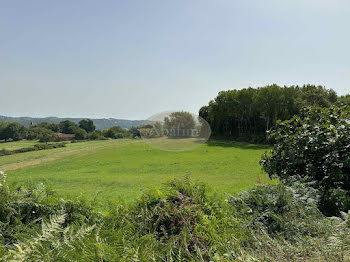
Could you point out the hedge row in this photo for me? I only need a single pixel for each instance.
(4, 152)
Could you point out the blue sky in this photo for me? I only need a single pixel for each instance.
(131, 59)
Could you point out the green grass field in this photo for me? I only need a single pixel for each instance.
(17, 144)
(120, 170)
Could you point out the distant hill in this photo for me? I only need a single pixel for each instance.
(100, 123)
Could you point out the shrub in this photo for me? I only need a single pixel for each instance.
(116, 132)
(135, 131)
(182, 221)
(314, 147)
(119, 135)
(80, 134)
(35, 224)
(290, 212)
(95, 135)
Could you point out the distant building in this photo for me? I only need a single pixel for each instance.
(64, 137)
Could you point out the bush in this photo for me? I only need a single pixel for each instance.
(314, 147)
(288, 211)
(135, 131)
(116, 132)
(118, 136)
(182, 221)
(95, 135)
(36, 225)
(80, 134)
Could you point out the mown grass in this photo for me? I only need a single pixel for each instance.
(120, 170)
(17, 161)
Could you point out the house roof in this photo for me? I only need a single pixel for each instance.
(61, 135)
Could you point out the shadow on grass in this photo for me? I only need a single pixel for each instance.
(241, 145)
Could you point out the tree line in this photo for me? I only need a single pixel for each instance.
(48, 132)
(248, 113)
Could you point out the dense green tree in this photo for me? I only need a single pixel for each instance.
(68, 127)
(345, 100)
(204, 113)
(179, 120)
(248, 113)
(47, 135)
(14, 131)
(3, 126)
(277, 103)
(34, 132)
(311, 95)
(80, 134)
(51, 126)
(87, 125)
